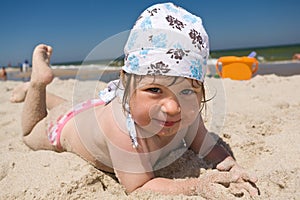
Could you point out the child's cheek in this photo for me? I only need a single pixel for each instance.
(140, 114)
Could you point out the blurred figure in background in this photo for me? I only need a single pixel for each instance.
(25, 66)
(3, 74)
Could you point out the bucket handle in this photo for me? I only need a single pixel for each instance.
(256, 67)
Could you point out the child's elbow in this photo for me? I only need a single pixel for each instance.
(132, 186)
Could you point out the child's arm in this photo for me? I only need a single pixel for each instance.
(205, 186)
(134, 171)
(205, 144)
(207, 147)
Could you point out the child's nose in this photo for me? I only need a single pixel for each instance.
(170, 106)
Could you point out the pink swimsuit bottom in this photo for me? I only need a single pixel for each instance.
(54, 130)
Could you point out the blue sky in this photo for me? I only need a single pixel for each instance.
(75, 27)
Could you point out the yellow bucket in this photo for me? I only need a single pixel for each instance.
(236, 68)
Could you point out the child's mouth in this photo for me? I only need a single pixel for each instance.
(167, 123)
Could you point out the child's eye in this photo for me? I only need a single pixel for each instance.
(187, 92)
(154, 90)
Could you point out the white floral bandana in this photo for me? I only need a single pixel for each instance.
(167, 40)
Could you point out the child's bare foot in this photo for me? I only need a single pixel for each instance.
(19, 93)
(41, 72)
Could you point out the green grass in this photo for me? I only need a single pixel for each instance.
(272, 53)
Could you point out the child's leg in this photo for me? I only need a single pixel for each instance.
(34, 110)
(52, 100)
(19, 94)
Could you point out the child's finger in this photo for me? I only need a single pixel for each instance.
(224, 178)
(244, 175)
(238, 188)
(226, 164)
(248, 177)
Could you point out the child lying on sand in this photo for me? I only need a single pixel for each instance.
(152, 110)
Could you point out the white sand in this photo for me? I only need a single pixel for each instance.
(261, 126)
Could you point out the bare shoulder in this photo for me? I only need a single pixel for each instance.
(111, 119)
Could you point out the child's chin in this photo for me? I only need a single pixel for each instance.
(166, 133)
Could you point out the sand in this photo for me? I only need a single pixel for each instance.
(261, 126)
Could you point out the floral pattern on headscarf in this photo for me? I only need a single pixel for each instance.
(167, 40)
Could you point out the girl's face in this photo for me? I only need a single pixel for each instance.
(159, 106)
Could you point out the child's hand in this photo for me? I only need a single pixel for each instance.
(210, 185)
(243, 180)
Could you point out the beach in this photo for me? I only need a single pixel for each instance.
(260, 125)
(106, 73)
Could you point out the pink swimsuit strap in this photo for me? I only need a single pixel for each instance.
(61, 121)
